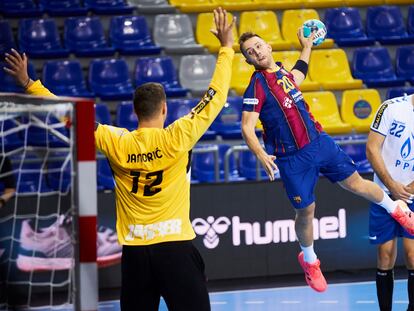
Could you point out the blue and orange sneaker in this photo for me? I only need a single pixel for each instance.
(313, 274)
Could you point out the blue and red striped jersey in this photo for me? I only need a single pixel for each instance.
(287, 122)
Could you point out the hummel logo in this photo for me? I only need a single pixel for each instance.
(373, 237)
(211, 229)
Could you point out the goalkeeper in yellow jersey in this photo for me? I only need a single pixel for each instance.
(151, 170)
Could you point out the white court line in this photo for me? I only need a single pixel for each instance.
(328, 301)
(290, 301)
(254, 302)
(294, 287)
(218, 302)
(365, 301)
(401, 301)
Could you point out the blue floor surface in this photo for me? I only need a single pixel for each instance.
(338, 297)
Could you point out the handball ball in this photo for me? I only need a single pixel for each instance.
(317, 27)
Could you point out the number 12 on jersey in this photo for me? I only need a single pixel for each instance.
(150, 189)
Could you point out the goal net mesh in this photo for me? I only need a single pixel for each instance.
(37, 227)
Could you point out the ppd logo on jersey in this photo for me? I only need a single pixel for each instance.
(406, 153)
(279, 231)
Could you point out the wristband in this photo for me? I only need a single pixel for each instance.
(302, 66)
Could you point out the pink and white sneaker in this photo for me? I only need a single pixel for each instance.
(47, 248)
(51, 248)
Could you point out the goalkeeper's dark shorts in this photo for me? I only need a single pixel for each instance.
(172, 270)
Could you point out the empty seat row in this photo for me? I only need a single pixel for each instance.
(384, 24)
(354, 115)
(243, 165)
(83, 36)
(329, 69)
(130, 34)
(241, 5)
(28, 8)
(108, 79)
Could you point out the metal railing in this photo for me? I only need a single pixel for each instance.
(238, 148)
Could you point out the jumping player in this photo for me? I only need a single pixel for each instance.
(296, 144)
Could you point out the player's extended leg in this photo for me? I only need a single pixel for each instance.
(387, 253)
(307, 257)
(372, 192)
(300, 177)
(409, 260)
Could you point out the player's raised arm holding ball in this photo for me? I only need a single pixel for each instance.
(296, 144)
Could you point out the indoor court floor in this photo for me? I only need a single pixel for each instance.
(358, 296)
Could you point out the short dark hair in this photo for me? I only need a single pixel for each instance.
(148, 98)
(246, 36)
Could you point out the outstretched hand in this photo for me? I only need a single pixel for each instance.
(224, 30)
(305, 42)
(17, 67)
(268, 162)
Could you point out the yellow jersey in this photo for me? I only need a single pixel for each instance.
(151, 166)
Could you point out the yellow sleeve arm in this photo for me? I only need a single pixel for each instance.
(38, 89)
(186, 131)
(106, 138)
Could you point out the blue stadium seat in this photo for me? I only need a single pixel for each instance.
(20, 8)
(104, 174)
(203, 165)
(9, 84)
(109, 79)
(58, 171)
(410, 21)
(64, 7)
(356, 151)
(65, 78)
(27, 168)
(228, 122)
(405, 63)
(85, 36)
(178, 108)
(130, 35)
(161, 70)
(108, 7)
(345, 27)
(40, 137)
(6, 38)
(386, 24)
(374, 67)
(126, 117)
(247, 166)
(39, 38)
(11, 140)
(399, 91)
(102, 114)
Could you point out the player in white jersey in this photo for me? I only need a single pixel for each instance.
(390, 149)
